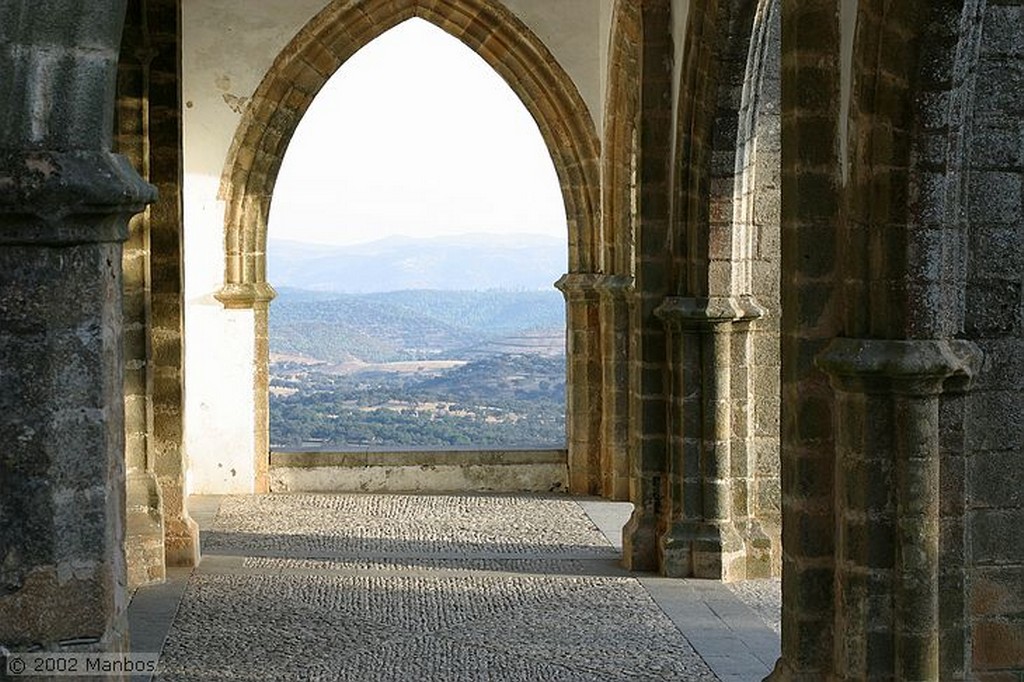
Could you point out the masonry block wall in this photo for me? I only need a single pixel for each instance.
(902, 283)
(994, 319)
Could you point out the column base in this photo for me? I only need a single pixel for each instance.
(703, 550)
(83, 613)
(640, 542)
(783, 673)
(181, 532)
(144, 532)
(764, 550)
(182, 543)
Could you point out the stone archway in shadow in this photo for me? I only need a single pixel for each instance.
(288, 89)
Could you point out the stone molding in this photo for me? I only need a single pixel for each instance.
(907, 366)
(706, 312)
(68, 197)
(245, 294)
(580, 285)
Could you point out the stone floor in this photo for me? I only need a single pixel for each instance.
(440, 587)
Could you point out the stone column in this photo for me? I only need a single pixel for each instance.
(65, 201)
(144, 544)
(583, 381)
(887, 500)
(648, 424)
(615, 292)
(705, 537)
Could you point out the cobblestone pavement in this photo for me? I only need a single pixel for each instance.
(422, 587)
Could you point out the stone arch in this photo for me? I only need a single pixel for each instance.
(288, 89)
(324, 44)
(716, 129)
(620, 218)
(621, 143)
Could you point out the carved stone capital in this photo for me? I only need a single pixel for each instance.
(707, 313)
(579, 286)
(68, 197)
(245, 294)
(906, 366)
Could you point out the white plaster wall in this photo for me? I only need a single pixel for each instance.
(680, 19)
(227, 48)
(606, 7)
(572, 30)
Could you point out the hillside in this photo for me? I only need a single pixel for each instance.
(417, 369)
(415, 325)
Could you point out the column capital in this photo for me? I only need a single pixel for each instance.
(907, 366)
(706, 312)
(245, 294)
(575, 285)
(68, 197)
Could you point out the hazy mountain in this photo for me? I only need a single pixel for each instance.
(416, 325)
(465, 262)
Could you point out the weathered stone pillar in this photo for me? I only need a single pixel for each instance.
(583, 381)
(651, 259)
(648, 423)
(706, 536)
(65, 201)
(887, 501)
(144, 542)
(615, 291)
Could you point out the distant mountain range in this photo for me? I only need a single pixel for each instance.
(517, 262)
(416, 325)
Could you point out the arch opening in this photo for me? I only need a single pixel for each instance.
(415, 231)
(299, 73)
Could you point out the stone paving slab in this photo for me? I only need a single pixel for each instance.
(729, 635)
(437, 627)
(436, 587)
(437, 526)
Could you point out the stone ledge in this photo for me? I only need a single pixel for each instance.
(538, 471)
(309, 459)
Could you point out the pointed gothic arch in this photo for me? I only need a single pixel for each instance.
(291, 84)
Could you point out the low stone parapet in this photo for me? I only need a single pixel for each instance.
(421, 471)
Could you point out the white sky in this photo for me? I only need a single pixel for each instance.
(415, 135)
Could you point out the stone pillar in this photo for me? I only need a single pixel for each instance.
(65, 201)
(583, 381)
(144, 542)
(651, 259)
(887, 501)
(708, 534)
(615, 291)
(648, 425)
